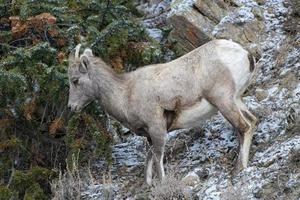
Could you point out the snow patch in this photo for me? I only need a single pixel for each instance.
(155, 33)
(240, 15)
(178, 6)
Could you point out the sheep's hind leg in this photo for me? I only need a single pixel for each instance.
(230, 110)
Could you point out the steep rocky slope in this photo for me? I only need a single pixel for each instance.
(202, 160)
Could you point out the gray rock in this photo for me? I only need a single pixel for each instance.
(214, 10)
(202, 20)
(192, 179)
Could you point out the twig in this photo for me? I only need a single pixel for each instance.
(56, 155)
(45, 33)
(20, 39)
(64, 24)
(44, 113)
(9, 46)
(11, 175)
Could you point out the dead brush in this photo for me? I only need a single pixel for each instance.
(170, 188)
(232, 193)
(282, 52)
(71, 183)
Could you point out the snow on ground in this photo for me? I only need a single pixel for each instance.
(180, 6)
(242, 14)
(155, 14)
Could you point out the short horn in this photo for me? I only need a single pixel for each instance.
(77, 48)
(74, 54)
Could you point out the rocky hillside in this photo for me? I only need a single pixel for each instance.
(199, 162)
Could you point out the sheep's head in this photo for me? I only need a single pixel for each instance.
(81, 87)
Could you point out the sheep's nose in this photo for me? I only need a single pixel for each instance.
(70, 106)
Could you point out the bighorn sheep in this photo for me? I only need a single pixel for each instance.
(158, 98)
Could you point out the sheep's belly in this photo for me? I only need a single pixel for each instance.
(195, 115)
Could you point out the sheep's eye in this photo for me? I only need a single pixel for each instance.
(75, 82)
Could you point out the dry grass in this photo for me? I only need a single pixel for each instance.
(171, 188)
(70, 184)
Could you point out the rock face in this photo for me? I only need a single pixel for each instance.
(195, 22)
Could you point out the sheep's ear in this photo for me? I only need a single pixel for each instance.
(88, 52)
(84, 64)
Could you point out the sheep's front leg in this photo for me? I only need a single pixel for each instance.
(149, 162)
(158, 137)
